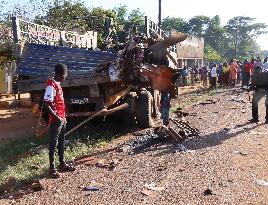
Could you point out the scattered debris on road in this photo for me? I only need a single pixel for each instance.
(241, 153)
(182, 148)
(9, 190)
(93, 186)
(262, 183)
(208, 102)
(148, 193)
(101, 163)
(208, 192)
(153, 187)
(179, 131)
(180, 113)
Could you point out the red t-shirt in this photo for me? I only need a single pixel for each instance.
(249, 67)
(54, 96)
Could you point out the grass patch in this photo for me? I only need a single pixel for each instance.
(83, 141)
(187, 100)
(212, 92)
(19, 146)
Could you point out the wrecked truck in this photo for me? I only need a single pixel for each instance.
(127, 81)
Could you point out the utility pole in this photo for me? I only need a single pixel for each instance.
(159, 13)
(236, 30)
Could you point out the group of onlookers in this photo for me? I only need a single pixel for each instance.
(188, 76)
(232, 73)
(252, 73)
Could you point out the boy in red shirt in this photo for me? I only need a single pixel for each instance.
(54, 104)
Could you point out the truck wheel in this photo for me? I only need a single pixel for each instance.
(128, 114)
(144, 109)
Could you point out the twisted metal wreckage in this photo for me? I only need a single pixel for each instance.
(99, 82)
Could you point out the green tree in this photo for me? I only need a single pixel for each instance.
(75, 16)
(198, 25)
(136, 17)
(175, 23)
(210, 54)
(121, 14)
(104, 23)
(65, 16)
(6, 46)
(215, 34)
(241, 32)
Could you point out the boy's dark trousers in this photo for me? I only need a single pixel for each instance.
(57, 131)
(259, 93)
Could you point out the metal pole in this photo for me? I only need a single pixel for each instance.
(235, 43)
(147, 31)
(159, 14)
(16, 35)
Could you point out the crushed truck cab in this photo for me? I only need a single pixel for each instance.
(98, 80)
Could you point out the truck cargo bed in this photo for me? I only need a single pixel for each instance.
(38, 61)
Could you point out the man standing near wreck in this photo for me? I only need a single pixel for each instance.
(54, 105)
(165, 107)
(260, 88)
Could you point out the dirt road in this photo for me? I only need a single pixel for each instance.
(223, 165)
(16, 123)
(17, 120)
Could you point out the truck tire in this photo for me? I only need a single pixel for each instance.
(128, 114)
(144, 111)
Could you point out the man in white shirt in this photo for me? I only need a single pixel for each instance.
(213, 74)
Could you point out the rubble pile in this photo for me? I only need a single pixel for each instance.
(179, 131)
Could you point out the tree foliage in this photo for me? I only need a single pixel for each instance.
(121, 14)
(221, 41)
(6, 46)
(65, 16)
(210, 54)
(241, 32)
(136, 17)
(236, 38)
(198, 25)
(175, 23)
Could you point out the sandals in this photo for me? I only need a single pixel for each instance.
(62, 168)
(54, 174)
(66, 168)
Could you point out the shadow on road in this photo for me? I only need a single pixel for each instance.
(164, 146)
(217, 138)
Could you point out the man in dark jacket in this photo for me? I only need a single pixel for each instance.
(260, 86)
